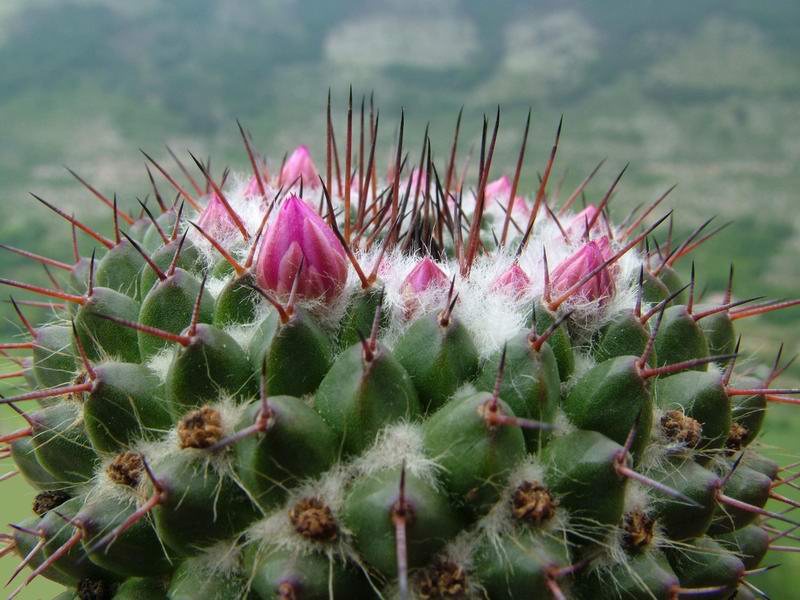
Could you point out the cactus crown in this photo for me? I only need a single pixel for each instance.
(426, 385)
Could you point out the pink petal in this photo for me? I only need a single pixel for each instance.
(514, 281)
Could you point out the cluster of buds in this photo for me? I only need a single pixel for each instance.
(300, 249)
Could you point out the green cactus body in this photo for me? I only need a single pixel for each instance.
(673, 282)
(141, 588)
(680, 338)
(718, 331)
(278, 571)
(300, 343)
(611, 399)
(125, 555)
(57, 533)
(211, 363)
(188, 260)
(702, 397)
(194, 577)
(297, 444)
(438, 357)
(624, 335)
(360, 316)
(237, 302)
(749, 543)
(119, 269)
(530, 384)
(25, 543)
(706, 564)
(61, 444)
(53, 360)
(475, 454)
(358, 396)
(126, 404)
(684, 522)
(656, 290)
(368, 512)
(152, 239)
(519, 567)
(748, 412)
(581, 463)
(169, 306)
(745, 485)
(103, 337)
(23, 452)
(644, 577)
(560, 341)
(191, 514)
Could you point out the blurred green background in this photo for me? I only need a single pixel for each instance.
(703, 94)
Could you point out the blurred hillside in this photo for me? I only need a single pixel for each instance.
(705, 95)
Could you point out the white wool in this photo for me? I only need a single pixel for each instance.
(499, 521)
(562, 424)
(159, 363)
(230, 411)
(243, 334)
(214, 286)
(102, 487)
(397, 445)
(461, 550)
(393, 271)
(277, 530)
(221, 559)
(715, 369)
(545, 238)
(492, 317)
(637, 497)
(584, 362)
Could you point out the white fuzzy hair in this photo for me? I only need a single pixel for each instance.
(277, 531)
(498, 523)
(397, 445)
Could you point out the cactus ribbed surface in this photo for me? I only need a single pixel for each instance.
(299, 387)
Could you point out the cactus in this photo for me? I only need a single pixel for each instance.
(311, 386)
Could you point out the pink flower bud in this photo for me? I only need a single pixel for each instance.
(577, 225)
(215, 219)
(605, 247)
(418, 177)
(298, 234)
(514, 282)
(574, 268)
(252, 190)
(499, 190)
(425, 277)
(299, 164)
